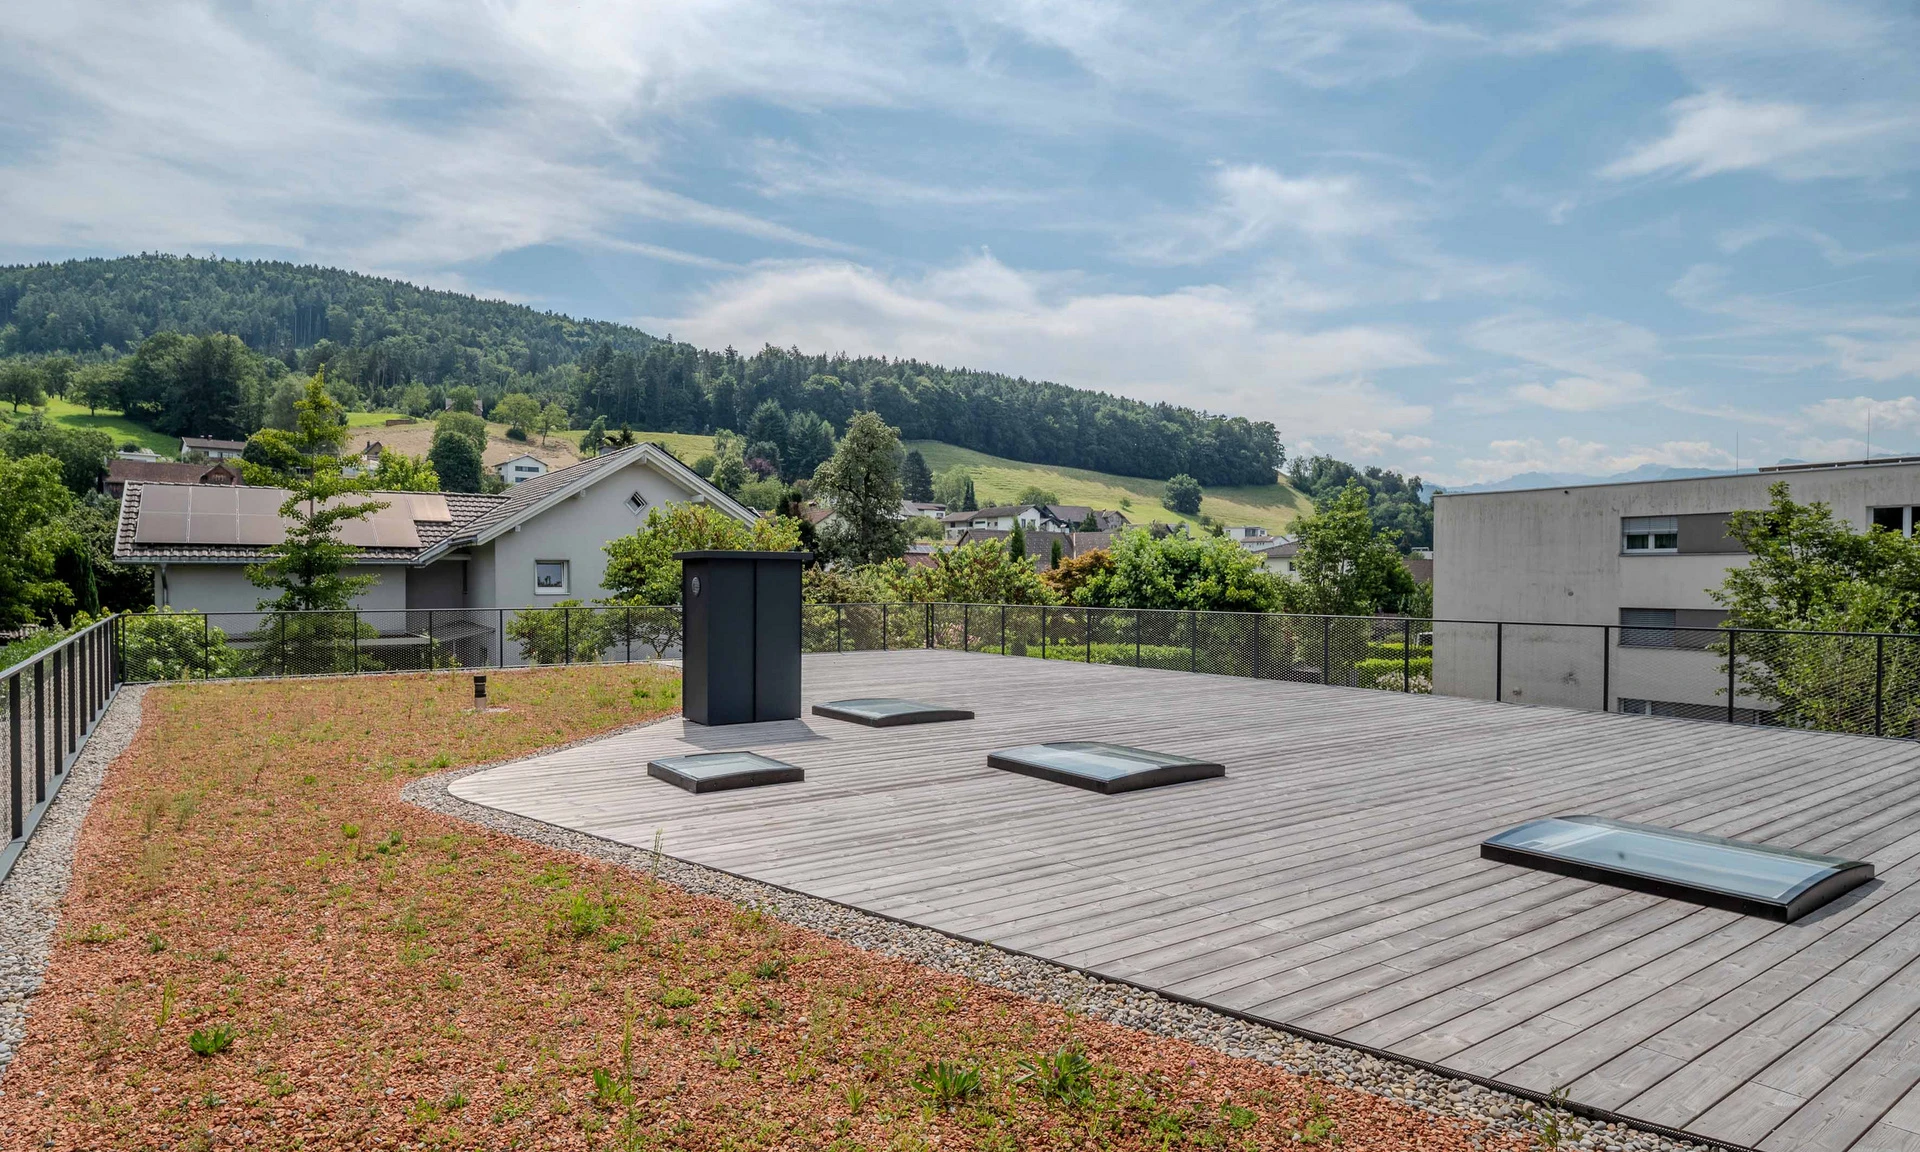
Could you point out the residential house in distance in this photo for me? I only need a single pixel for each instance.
(1252, 537)
(521, 469)
(1641, 557)
(1277, 555)
(143, 455)
(540, 543)
(120, 473)
(1032, 518)
(212, 449)
(1039, 542)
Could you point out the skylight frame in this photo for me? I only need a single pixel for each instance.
(922, 714)
(764, 770)
(1827, 879)
(1171, 769)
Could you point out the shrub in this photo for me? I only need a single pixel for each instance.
(161, 644)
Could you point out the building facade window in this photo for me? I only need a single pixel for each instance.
(1647, 535)
(550, 577)
(1896, 519)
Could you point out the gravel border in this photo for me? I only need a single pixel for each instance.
(1432, 1090)
(30, 895)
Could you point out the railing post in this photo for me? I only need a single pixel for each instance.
(1136, 637)
(1003, 629)
(433, 652)
(500, 636)
(1733, 637)
(39, 725)
(283, 644)
(355, 626)
(206, 646)
(54, 720)
(1043, 631)
(929, 624)
(1253, 657)
(839, 618)
(1606, 667)
(1326, 649)
(1499, 639)
(17, 824)
(566, 635)
(966, 627)
(1879, 683)
(628, 629)
(1193, 642)
(1087, 614)
(1406, 655)
(885, 624)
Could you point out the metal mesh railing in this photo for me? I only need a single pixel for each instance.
(1841, 682)
(49, 703)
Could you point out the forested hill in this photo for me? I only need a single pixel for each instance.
(383, 336)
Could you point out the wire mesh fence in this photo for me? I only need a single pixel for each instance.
(1841, 682)
(48, 705)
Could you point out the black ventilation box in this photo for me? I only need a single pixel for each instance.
(740, 659)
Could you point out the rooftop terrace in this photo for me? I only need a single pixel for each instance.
(1331, 881)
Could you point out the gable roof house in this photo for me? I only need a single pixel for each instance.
(1059, 518)
(122, 472)
(540, 543)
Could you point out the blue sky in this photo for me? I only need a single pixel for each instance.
(1461, 239)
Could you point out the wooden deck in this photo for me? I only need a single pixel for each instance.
(1332, 881)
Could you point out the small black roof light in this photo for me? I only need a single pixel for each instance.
(1752, 879)
(1105, 768)
(887, 711)
(717, 771)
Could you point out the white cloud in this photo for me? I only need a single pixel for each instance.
(1600, 359)
(1570, 454)
(1715, 132)
(1876, 360)
(1205, 345)
(1859, 413)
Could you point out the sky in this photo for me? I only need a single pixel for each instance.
(1465, 240)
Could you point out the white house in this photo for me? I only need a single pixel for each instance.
(521, 468)
(1252, 537)
(1031, 518)
(539, 544)
(213, 449)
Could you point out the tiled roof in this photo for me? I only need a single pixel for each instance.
(120, 471)
(204, 442)
(465, 506)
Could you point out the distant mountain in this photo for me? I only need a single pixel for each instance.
(1575, 479)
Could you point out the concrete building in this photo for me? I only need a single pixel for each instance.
(1641, 557)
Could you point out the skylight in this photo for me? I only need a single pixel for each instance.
(1752, 879)
(1105, 768)
(717, 771)
(886, 712)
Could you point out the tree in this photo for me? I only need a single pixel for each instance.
(1017, 543)
(518, 411)
(464, 424)
(862, 484)
(1054, 554)
(1066, 580)
(1035, 494)
(594, 440)
(1091, 523)
(319, 422)
(203, 386)
(976, 573)
(768, 425)
(1177, 571)
(1345, 566)
(641, 570)
(56, 372)
(456, 461)
(414, 399)
(809, 444)
(970, 503)
(271, 457)
(399, 472)
(463, 398)
(730, 474)
(34, 504)
(82, 452)
(916, 479)
(763, 459)
(97, 385)
(22, 383)
(1182, 495)
(1808, 571)
(306, 566)
(950, 487)
(553, 418)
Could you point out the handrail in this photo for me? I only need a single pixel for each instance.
(74, 682)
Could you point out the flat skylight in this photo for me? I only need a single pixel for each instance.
(1753, 879)
(716, 771)
(1107, 768)
(887, 711)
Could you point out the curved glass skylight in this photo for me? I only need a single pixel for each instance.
(717, 771)
(1753, 879)
(887, 711)
(1098, 767)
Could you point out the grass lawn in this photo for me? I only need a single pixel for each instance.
(264, 947)
(119, 427)
(997, 480)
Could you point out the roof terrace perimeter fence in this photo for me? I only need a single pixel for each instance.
(50, 702)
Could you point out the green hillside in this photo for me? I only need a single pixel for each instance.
(997, 480)
(117, 426)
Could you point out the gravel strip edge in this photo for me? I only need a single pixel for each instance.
(30, 896)
(1039, 979)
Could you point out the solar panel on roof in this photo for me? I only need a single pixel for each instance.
(887, 712)
(718, 771)
(1105, 768)
(259, 531)
(1753, 879)
(213, 499)
(160, 527)
(430, 507)
(163, 498)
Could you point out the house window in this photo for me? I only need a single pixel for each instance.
(1647, 627)
(636, 502)
(550, 577)
(1896, 519)
(1650, 534)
